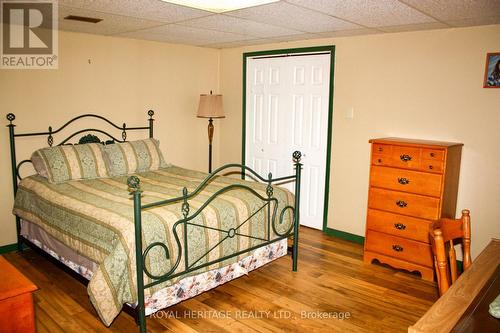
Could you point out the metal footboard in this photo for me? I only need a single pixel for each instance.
(269, 203)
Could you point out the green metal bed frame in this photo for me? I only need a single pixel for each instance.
(269, 205)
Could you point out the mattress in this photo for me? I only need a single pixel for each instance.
(94, 218)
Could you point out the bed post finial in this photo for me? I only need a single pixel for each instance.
(134, 184)
(151, 113)
(10, 117)
(297, 155)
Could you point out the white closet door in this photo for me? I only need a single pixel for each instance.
(287, 110)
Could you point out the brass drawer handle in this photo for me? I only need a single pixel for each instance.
(431, 167)
(401, 203)
(405, 158)
(379, 160)
(397, 248)
(432, 154)
(380, 149)
(399, 226)
(403, 181)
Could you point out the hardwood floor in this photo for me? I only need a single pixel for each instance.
(332, 282)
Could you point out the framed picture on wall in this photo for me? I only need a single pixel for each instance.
(492, 71)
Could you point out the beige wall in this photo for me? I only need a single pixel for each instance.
(417, 84)
(424, 85)
(123, 80)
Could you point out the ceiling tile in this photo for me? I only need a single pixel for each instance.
(181, 34)
(155, 10)
(241, 43)
(145, 35)
(414, 27)
(110, 24)
(474, 21)
(296, 37)
(239, 26)
(287, 20)
(457, 9)
(369, 13)
(292, 17)
(346, 33)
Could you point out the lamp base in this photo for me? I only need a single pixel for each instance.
(210, 138)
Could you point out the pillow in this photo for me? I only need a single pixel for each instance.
(70, 162)
(133, 156)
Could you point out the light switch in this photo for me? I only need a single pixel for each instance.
(349, 113)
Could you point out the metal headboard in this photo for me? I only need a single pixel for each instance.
(84, 139)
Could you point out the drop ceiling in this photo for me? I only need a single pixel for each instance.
(285, 20)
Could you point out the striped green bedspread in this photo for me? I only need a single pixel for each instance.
(95, 218)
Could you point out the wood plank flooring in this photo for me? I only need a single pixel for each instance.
(332, 282)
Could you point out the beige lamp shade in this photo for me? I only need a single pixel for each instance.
(210, 107)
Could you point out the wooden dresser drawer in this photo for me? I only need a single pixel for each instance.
(398, 225)
(433, 154)
(406, 180)
(378, 159)
(400, 248)
(405, 157)
(432, 166)
(404, 203)
(381, 149)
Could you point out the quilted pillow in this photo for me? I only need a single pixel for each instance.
(133, 156)
(70, 162)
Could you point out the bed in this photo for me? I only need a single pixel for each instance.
(143, 232)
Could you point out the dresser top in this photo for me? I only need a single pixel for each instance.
(415, 142)
(14, 283)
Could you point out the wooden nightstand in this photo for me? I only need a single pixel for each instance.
(17, 312)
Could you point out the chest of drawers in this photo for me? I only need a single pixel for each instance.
(412, 183)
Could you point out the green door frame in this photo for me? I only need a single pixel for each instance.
(314, 49)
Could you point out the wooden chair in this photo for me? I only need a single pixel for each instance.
(443, 233)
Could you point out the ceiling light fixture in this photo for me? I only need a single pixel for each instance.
(220, 6)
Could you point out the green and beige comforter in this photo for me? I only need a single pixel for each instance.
(95, 218)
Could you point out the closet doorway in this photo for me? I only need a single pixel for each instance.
(287, 106)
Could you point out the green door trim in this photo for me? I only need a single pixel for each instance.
(314, 49)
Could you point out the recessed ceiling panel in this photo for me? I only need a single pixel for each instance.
(293, 17)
